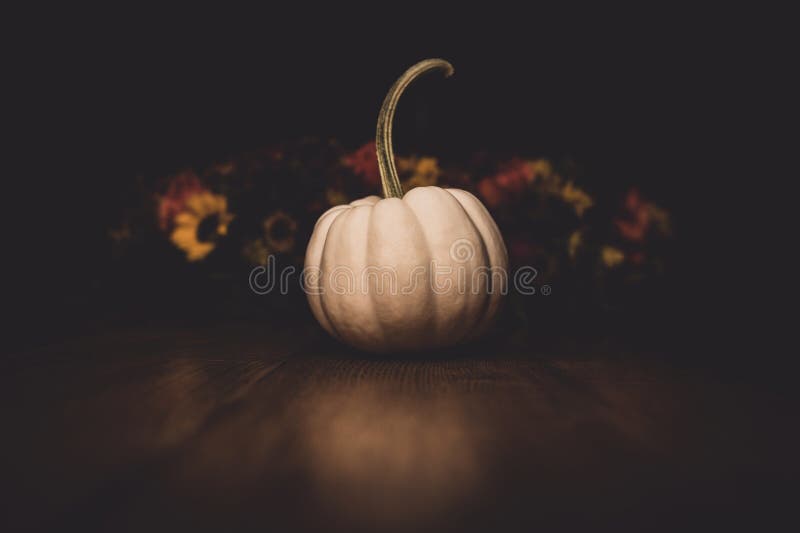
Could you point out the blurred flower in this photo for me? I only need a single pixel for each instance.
(256, 252)
(638, 221)
(540, 169)
(530, 199)
(204, 219)
(364, 163)
(611, 256)
(514, 175)
(490, 192)
(180, 187)
(418, 172)
(426, 173)
(639, 216)
(574, 242)
(511, 179)
(405, 165)
(279, 231)
(335, 196)
(576, 197)
(546, 178)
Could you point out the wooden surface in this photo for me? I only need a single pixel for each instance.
(252, 428)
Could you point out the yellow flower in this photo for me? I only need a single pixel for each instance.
(612, 256)
(406, 165)
(426, 173)
(541, 174)
(575, 242)
(539, 169)
(205, 218)
(427, 170)
(575, 196)
(279, 230)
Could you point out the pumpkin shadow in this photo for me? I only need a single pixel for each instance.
(493, 344)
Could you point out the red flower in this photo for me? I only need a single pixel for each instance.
(491, 192)
(514, 175)
(173, 202)
(364, 163)
(635, 225)
(511, 178)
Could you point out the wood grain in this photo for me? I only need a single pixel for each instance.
(256, 428)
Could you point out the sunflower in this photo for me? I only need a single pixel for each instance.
(279, 230)
(203, 221)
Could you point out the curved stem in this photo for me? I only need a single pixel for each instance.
(383, 137)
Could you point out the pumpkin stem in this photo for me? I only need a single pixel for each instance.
(383, 137)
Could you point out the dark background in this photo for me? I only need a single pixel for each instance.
(633, 104)
(657, 99)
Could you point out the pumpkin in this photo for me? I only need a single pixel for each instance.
(405, 272)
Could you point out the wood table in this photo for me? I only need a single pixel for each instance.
(277, 428)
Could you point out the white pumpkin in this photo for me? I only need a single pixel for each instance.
(407, 272)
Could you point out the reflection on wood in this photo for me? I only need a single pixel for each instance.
(249, 428)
